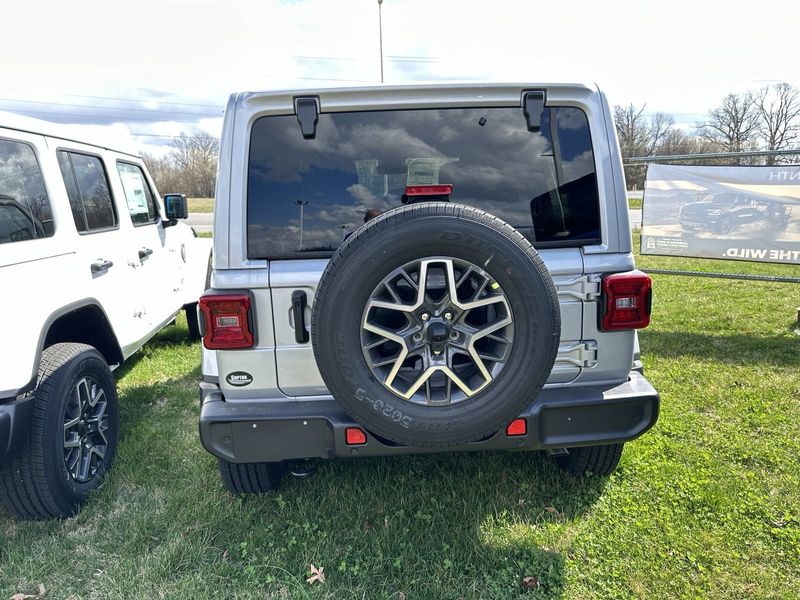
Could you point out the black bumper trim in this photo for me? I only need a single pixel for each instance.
(15, 422)
(275, 430)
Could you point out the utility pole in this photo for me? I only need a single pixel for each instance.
(380, 34)
(302, 204)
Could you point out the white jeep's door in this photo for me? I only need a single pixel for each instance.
(152, 258)
(102, 242)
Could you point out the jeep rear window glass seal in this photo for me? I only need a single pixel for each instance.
(25, 209)
(547, 190)
(78, 196)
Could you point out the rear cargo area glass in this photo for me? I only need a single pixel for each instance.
(305, 196)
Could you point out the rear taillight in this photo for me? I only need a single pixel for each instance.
(627, 299)
(226, 321)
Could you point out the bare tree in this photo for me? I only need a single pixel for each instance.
(189, 168)
(632, 130)
(640, 135)
(733, 125)
(196, 157)
(778, 107)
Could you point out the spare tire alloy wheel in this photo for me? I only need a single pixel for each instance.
(435, 325)
(437, 331)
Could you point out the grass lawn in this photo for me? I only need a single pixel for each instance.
(703, 506)
(201, 205)
(635, 202)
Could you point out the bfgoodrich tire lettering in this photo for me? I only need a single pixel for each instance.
(37, 482)
(463, 236)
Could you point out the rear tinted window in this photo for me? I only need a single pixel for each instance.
(88, 191)
(307, 196)
(25, 212)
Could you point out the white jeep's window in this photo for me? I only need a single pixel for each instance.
(88, 191)
(307, 195)
(25, 211)
(139, 198)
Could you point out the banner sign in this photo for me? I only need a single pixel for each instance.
(739, 213)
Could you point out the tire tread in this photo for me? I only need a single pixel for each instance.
(24, 486)
(598, 460)
(251, 478)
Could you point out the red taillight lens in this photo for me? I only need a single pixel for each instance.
(517, 427)
(227, 321)
(445, 189)
(355, 437)
(627, 299)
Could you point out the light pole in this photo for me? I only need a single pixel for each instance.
(380, 34)
(302, 204)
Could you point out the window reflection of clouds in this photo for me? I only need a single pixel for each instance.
(360, 161)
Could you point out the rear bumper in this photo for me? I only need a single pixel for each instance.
(269, 430)
(15, 422)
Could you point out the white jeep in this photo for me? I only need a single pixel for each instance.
(421, 269)
(91, 267)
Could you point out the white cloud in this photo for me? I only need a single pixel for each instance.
(181, 59)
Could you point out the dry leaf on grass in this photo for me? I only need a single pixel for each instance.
(41, 592)
(530, 583)
(401, 596)
(316, 574)
(552, 510)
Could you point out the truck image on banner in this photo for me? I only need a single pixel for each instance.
(740, 213)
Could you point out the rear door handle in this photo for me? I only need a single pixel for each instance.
(144, 253)
(299, 301)
(101, 265)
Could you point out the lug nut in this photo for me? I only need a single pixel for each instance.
(448, 315)
(417, 337)
(453, 335)
(425, 316)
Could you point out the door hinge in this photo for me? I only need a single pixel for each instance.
(580, 354)
(584, 287)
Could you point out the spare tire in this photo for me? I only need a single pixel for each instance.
(435, 324)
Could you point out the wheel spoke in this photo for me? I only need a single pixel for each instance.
(457, 331)
(85, 425)
(76, 468)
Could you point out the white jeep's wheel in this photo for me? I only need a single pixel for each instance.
(73, 435)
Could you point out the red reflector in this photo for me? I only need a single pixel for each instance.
(227, 323)
(627, 298)
(355, 437)
(517, 427)
(429, 190)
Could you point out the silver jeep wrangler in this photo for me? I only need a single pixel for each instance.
(421, 269)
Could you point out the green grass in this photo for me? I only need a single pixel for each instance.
(635, 202)
(201, 205)
(703, 506)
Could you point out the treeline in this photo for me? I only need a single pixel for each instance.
(190, 167)
(764, 119)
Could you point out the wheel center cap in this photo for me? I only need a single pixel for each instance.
(438, 332)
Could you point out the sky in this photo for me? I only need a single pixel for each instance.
(143, 71)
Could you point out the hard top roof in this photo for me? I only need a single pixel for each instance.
(72, 133)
